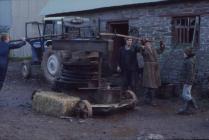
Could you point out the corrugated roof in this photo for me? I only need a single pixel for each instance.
(67, 6)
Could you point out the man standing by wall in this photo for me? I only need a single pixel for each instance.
(128, 65)
(151, 72)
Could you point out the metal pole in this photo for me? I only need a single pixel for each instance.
(195, 30)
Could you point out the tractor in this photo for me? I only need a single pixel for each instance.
(71, 55)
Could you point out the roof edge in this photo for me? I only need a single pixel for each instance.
(121, 6)
(107, 8)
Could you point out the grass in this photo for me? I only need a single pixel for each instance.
(19, 58)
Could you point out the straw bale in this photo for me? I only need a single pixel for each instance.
(53, 103)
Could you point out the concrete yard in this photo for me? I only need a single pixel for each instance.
(19, 122)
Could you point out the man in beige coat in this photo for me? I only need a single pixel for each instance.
(151, 75)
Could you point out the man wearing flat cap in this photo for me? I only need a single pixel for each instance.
(151, 75)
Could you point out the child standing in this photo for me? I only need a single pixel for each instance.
(189, 77)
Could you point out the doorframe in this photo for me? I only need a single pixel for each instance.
(110, 23)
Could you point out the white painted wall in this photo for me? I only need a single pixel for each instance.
(5, 12)
(24, 11)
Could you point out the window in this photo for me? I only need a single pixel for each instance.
(186, 30)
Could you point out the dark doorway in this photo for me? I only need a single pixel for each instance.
(120, 27)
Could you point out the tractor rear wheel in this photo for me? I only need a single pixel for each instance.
(26, 69)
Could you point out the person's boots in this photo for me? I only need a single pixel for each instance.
(149, 100)
(185, 109)
(194, 104)
(154, 104)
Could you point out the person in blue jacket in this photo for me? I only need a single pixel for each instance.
(128, 65)
(5, 46)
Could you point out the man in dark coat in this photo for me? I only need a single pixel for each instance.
(5, 47)
(189, 77)
(151, 72)
(128, 65)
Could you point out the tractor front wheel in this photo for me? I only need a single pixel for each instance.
(51, 65)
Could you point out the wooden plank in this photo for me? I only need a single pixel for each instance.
(187, 41)
(119, 105)
(180, 36)
(105, 106)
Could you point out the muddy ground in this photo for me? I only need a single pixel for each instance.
(19, 122)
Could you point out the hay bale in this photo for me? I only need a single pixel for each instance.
(53, 103)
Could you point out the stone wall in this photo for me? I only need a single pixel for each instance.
(203, 54)
(156, 21)
(5, 14)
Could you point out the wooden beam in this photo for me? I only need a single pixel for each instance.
(184, 14)
(124, 36)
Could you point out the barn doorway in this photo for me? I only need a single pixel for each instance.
(119, 27)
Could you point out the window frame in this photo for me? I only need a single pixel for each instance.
(181, 33)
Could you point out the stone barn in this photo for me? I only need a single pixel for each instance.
(179, 23)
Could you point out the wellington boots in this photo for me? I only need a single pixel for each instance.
(149, 100)
(194, 104)
(185, 110)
